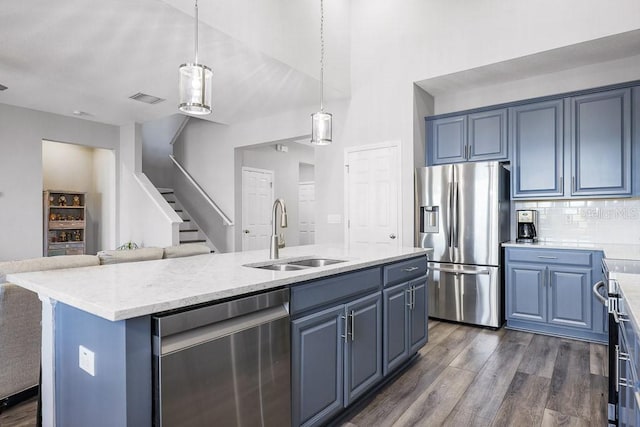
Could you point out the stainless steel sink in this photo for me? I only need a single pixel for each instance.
(282, 267)
(302, 264)
(315, 262)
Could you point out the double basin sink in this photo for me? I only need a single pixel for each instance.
(298, 265)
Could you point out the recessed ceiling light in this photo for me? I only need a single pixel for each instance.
(2, 87)
(147, 99)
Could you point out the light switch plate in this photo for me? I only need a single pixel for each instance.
(86, 359)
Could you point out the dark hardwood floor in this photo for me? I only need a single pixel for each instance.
(468, 376)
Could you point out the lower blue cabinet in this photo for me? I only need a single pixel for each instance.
(551, 292)
(405, 322)
(317, 366)
(348, 331)
(336, 356)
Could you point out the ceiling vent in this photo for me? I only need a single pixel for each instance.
(147, 99)
(3, 88)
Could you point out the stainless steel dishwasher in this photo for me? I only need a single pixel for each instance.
(225, 365)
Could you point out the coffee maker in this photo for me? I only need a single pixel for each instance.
(527, 220)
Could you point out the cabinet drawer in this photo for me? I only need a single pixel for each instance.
(309, 295)
(405, 270)
(549, 256)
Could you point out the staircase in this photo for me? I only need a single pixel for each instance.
(189, 230)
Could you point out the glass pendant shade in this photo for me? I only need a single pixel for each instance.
(195, 89)
(321, 128)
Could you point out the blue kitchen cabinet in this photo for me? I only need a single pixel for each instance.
(448, 138)
(628, 366)
(570, 284)
(537, 135)
(363, 350)
(550, 291)
(525, 294)
(487, 135)
(405, 322)
(601, 144)
(470, 137)
(317, 362)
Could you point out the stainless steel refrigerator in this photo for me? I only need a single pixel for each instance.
(462, 212)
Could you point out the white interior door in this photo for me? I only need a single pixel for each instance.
(306, 212)
(257, 197)
(373, 205)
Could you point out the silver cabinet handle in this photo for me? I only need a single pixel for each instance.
(596, 292)
(413, 298)
(410, 269)
(346, 329)
(353, 323)
(392, 236)
(408, 291)
(617, 373)
(547, 257)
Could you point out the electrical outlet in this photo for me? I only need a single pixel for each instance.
(86, 359)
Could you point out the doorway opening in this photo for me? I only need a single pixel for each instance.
(79, 168)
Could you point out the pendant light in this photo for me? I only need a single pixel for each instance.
(195, 83)
(321, 121)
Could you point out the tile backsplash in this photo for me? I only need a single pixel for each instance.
(589, 221)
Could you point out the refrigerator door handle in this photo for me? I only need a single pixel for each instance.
(456, 270)
(450, 216)
(455, 236)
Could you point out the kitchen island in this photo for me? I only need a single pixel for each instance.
(108, 309)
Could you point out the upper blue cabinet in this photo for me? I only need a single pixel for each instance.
(469, 137)
(577, 146)
(536, 131)
(601, 144)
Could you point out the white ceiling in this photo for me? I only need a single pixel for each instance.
(66, 55)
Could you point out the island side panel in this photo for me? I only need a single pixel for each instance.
(120, 392)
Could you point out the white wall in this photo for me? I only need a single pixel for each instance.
(157, 136)
(105, 200)
(21, 134)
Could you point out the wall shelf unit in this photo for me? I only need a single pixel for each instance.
(64, 223)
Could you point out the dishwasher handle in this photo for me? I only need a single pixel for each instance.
(194, 337)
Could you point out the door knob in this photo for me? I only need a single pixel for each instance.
(392, 236)
(246, 231)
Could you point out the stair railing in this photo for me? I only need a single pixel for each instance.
(224, 217)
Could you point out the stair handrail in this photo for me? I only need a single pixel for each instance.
(225, 218)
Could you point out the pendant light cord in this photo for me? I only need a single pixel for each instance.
(321, 55)
(196, 38)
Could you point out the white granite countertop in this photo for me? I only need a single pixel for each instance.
(629, 286)
(631, 252)
(123, 291)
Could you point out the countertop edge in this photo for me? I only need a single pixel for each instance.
(288, 278)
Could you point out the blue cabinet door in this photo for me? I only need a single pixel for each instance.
(447, 140)
(570, 297)
(418, 315)
(363, 352)
(488, 135)
(536, 132)
(395, 347)
(317, 353)
(526, 293)
(601, 143)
